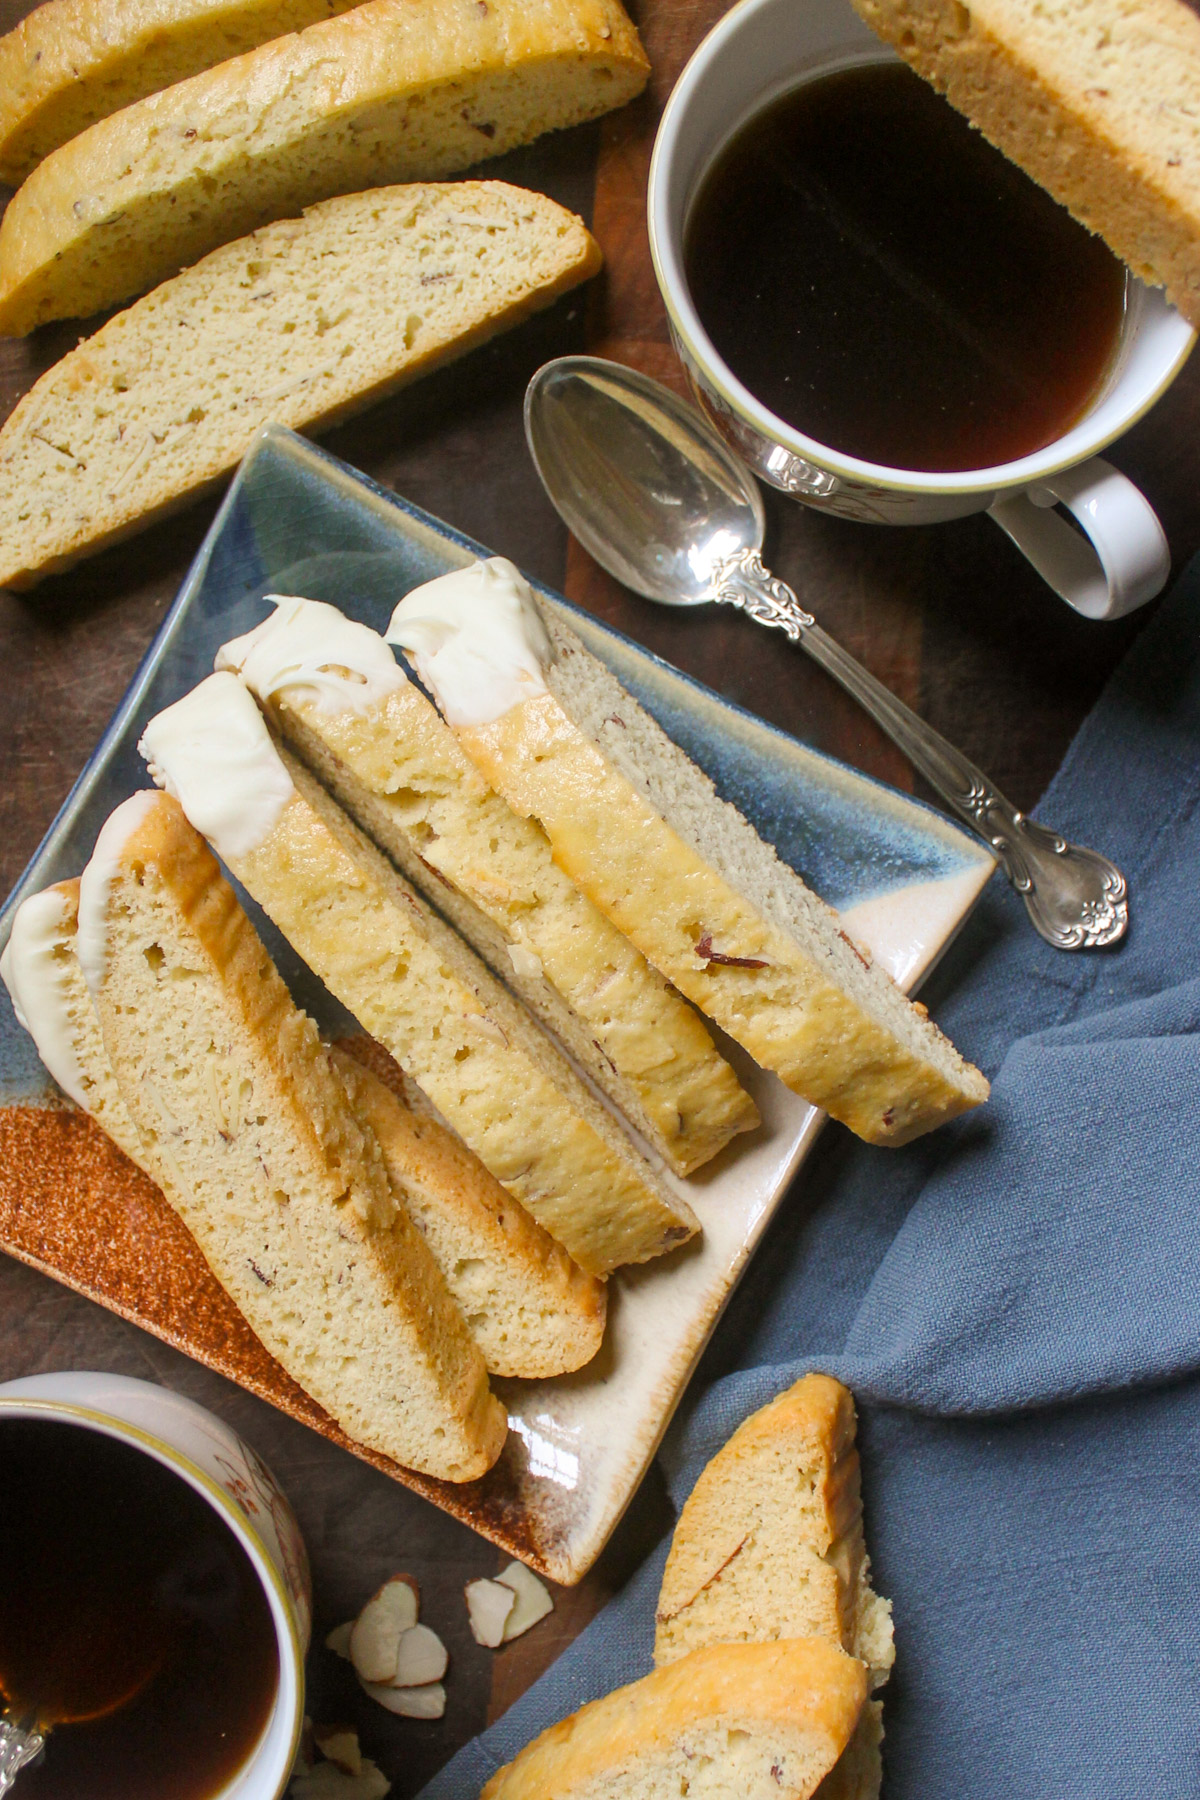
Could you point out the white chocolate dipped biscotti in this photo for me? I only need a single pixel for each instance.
(643, 833)
(412, 983)
(392, 91)
(333, 689)
(242, 1122)
(305, 322)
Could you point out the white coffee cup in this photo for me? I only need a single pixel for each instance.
(758, 51)
(237, 1484)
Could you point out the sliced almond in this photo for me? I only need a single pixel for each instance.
(422, 1658)
(488, 1607)
(339, 1639)
(533, 1600)
(325, 1781)
(339, 1744)
(375, 1639)
(427, 1702)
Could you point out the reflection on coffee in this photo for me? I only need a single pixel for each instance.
(131, 1621)
(885, 281)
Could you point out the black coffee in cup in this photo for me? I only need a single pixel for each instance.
(132, 1622)
(883, 280)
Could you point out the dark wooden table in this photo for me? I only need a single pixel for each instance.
(949, 616)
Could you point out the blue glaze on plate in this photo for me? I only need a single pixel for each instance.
(296, 520)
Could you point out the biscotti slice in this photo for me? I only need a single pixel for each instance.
(755, 1721)
(395, 90)
(51, 1000)
(71, 62)
(770, 1542)
(304, 323)
(642, 832)
(334, 690)
(248, 1131)
(530, 1309)
(1095, 99)
(411, 983)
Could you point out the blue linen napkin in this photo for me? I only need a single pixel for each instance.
(1015, 1302)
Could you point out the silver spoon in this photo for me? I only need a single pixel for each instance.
(663, 504)
(19, 1744)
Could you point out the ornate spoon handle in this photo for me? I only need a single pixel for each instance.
(1076, 898)
(17, 1747)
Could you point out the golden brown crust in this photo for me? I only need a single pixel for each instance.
(805, 1692)
(1094, 101)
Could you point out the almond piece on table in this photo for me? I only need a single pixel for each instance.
(488, 1607)
(325, 1781)
(533, 1600)
(339, 1639)
(339, 1744)
(427, 1702)
(375, 1639)
(423, 1658)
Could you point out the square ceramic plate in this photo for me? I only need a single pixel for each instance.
(297, 521)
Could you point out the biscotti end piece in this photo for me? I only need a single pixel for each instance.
(393, 91)
(248, 1131)
(530, 1309)
(493, 1075)
(51, 1000)
(333, 689)
(72, 62)
(641, 830)
(770, 1542)
(1095, 101)
(304, 323)
(748, 1719)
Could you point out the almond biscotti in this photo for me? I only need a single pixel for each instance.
(248, 1131)
(395, 90)
(530, 1309)
(493, 1075)
(759, 1721)
(304, 322)
(770, 1542)
(334, 690)
(642, 832)
(1095, 99)
(71, 62)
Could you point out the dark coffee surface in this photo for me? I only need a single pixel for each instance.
(131, 1621)
(885, 281)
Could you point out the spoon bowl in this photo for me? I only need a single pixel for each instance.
(662, 503)
(647, 487)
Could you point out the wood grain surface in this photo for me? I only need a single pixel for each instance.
(950, 616)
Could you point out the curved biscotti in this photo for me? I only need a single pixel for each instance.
(396, 767)
(71, 62)
(641, 830)
(530, 1309)
(412, 983)
(248, 1131)
(770, 1541)
(395, 90)
(1095, 99)
(759, 1721)
(304, 322)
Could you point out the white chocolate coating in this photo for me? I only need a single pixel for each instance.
(477, 640)
(310, 648)
(32, 967)
(213, 752)
(91, 936)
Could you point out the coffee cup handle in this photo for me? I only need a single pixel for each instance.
(1121, 562)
